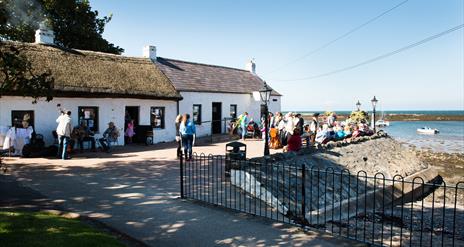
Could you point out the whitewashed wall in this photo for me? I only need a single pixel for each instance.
(244, 102)
(109, 109)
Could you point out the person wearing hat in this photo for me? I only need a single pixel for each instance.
(313, 127)
(110, 135)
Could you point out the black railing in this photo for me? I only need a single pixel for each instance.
(369, 208)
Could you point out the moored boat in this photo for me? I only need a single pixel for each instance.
(427, 130)
(382, 123)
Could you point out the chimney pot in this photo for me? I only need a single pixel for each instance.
(251, 66)
(149, 51)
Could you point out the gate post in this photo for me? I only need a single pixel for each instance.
(303, 192)
(181, 160)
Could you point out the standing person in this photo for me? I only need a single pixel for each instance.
(331, 119)
(63, 130)
(244, 124)
(130, 131)
(187, 130)
(313, 127)
(178, 135)
(299, 123)
(110, 135)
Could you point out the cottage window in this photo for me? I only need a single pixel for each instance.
(89, 116)
(17, 118)
(233, 111)
(157, 117)
(196, 116)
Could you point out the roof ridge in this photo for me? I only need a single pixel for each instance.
(204, 64)
(99, 53)
(66, 49)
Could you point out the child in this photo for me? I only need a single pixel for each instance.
(130, 131)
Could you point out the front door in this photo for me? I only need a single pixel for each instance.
(216, 118)
(132, 113)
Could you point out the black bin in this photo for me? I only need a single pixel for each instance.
(235, 151)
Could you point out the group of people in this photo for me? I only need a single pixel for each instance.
(67, 135)
(185, 135)
(288, 131)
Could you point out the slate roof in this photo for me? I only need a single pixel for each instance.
(197, 77)
(81, 73)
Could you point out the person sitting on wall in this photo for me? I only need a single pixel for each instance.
(110, 135)
(294, 141)
(85, 135)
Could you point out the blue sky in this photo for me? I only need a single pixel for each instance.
(228, 33)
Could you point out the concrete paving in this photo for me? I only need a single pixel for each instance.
(136, 191)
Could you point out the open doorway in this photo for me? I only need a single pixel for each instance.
(216, 124)
(132, 113)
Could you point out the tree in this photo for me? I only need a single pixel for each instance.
(17, 76)
(73, 21)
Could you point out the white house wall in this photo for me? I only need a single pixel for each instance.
(244, 102)
(109, 109)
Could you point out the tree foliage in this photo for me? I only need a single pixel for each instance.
(74, 22)
(17, 76)
(358, 116)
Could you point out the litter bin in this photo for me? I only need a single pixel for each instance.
(235, 151)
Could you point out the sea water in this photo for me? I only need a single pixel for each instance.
(450, 139)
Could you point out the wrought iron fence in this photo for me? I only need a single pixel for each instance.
(372, 209)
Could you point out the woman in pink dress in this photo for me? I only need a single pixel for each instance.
(130, 131)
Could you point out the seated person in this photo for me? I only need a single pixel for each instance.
(347, 131)
(356, 132)
(294, 141)
(84, 134)
(111, 134)
(322, 135)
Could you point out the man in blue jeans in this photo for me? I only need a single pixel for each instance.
(63, 130)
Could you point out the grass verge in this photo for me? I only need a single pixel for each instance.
(18, 228)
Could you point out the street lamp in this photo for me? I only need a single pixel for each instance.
(265, 94)
(358, 105)
(374, 103)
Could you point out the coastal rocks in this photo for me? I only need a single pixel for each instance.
(374, 155)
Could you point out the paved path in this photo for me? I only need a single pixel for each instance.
(136, 191)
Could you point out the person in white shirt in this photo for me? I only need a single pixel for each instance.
(63, 130)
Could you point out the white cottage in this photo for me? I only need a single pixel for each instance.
(97, 88)
(212, 94)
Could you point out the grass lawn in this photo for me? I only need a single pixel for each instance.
(19, 228)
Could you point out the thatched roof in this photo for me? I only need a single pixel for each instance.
(197, 77)
(89, 74)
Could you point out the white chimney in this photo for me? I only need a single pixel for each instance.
(149, 51)
(44, 35)
(251, 66)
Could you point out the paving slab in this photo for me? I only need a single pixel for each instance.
(136, 191)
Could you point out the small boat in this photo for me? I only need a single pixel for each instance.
(427, 130)
(382, 123)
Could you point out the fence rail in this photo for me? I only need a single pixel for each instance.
(370, 208)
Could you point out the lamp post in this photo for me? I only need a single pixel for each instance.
(358, 105)
(374, 103)
(265, 94)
